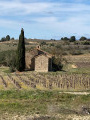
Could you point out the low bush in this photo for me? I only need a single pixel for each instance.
(56, 64)
(8, 58)
(76, 52)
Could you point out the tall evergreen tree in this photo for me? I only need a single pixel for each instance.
(21, 52)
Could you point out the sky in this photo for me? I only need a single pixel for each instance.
(45, 19)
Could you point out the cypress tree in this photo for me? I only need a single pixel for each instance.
(21, 52)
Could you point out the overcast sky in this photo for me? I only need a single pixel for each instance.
(45, 18)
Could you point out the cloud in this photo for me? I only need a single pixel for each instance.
(17, 7)
(48, 17)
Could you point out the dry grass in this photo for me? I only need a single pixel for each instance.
(81, 61)
(44, 81)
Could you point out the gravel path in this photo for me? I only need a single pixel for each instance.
(77, 93)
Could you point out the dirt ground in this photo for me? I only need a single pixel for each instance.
(38, 117)
(77, 93)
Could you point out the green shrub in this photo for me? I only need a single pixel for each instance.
(76, 52)
(43, 43)
(72, 39)
(4, 55)
(56, 64)
(86, 43)
(8, 58)
(52, 44)
(83, 38)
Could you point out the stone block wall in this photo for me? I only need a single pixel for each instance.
(41, 63)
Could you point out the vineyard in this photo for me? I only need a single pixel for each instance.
(45, 81)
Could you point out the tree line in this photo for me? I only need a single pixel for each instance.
(7, 38)
(73, 39)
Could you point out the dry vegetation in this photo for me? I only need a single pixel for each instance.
(42, 81)
(80, 60)
(43, 96)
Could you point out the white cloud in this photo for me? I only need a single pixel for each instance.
(46, 16)
(17, 7)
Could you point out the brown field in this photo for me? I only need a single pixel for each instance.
(44, 81)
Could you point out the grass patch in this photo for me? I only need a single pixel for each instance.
(7, 71)
(41, 102)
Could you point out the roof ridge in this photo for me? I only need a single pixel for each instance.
(41, 55)
(44, 51)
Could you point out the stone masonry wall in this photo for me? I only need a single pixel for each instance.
(41, 63)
